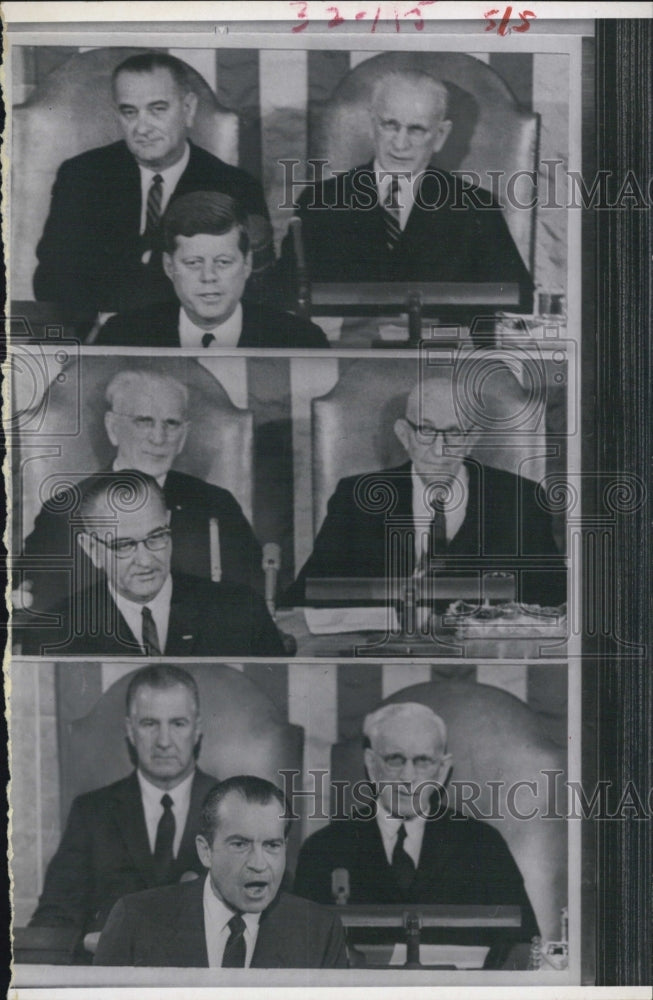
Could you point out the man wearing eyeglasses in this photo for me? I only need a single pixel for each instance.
(135, 605)
(138, 832)
(147, 423)
(399, 218)
(406, 845)
(452, 514)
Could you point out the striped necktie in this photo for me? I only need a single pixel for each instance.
(153, 209)
(391, 214)
(150, 634)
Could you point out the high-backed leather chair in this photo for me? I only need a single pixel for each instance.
(490, 130)
(243, 731)
(493, 736)
(71, 439)
(352, 425)
(70, 112)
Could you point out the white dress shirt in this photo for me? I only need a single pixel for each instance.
(454, 510)
(406, 198)
(170, 177)
(389, 827)
(226, 334)
(151, 797)
(159, 606)
(216, 928)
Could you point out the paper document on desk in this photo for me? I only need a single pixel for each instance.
(330, 621)
(463, 956)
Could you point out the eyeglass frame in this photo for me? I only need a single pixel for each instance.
(418, 134)
(431, 434)
(133, 543)
(428, 761)
(175, 430)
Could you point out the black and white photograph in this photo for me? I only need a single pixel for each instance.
(326, 664)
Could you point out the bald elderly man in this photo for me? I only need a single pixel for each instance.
(147, 422)
(410, 850)
(465, 515)
(394, 219)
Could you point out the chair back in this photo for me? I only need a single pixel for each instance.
(495, 737)
(490, 131)
(70, 112)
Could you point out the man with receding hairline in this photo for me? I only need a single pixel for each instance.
(140, 831)
(100, 249)
(450, 508)
(134, 604)
(237, 917)
(394, 219)
(147, 421)
(412, 848)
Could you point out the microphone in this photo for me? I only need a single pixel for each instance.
(340, 888)
(271, 567)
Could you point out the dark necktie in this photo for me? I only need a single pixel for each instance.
(438, 529)
(207, 339)
(153, 209)
(391, 214)
(150, 634)
(165, 838)
(403, 867)
(235, 949)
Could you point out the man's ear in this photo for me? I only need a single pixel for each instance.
(442, 131)
(129, 726)
(445, 769)
(167, 264)
(110, 427)
(203, 850)
(402, 431)
(189, 103)
(370, 763)
(248, 262)
(90, 547)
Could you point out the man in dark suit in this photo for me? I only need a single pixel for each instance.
(136, 606)
(450, 514)
(100, 248)
(208, 259)
(147, 422)
(399, 218)
(235, 917)
(405, 845)
(140, 831)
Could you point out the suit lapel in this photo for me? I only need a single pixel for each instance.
(185, 622)
(187, 853)
(184, 938)
(130, 825)
(130, 192)
(271, 950)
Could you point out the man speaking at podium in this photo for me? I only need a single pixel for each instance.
(398, 218)
(454, 510)
(406, 852)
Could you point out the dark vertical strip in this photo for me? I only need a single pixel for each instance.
(359, 692)
(78, 688)
(273, 680)
(516, 70)
(268, 394)
(624, 445)
(325, 71)
(239, 91)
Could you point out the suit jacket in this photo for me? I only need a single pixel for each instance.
(51, 551)
(165, 927)
(462, 861)
(105, 853)
(158, 326)
(344, 235)
(90, 252)
(504, 528)
(206, 619)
